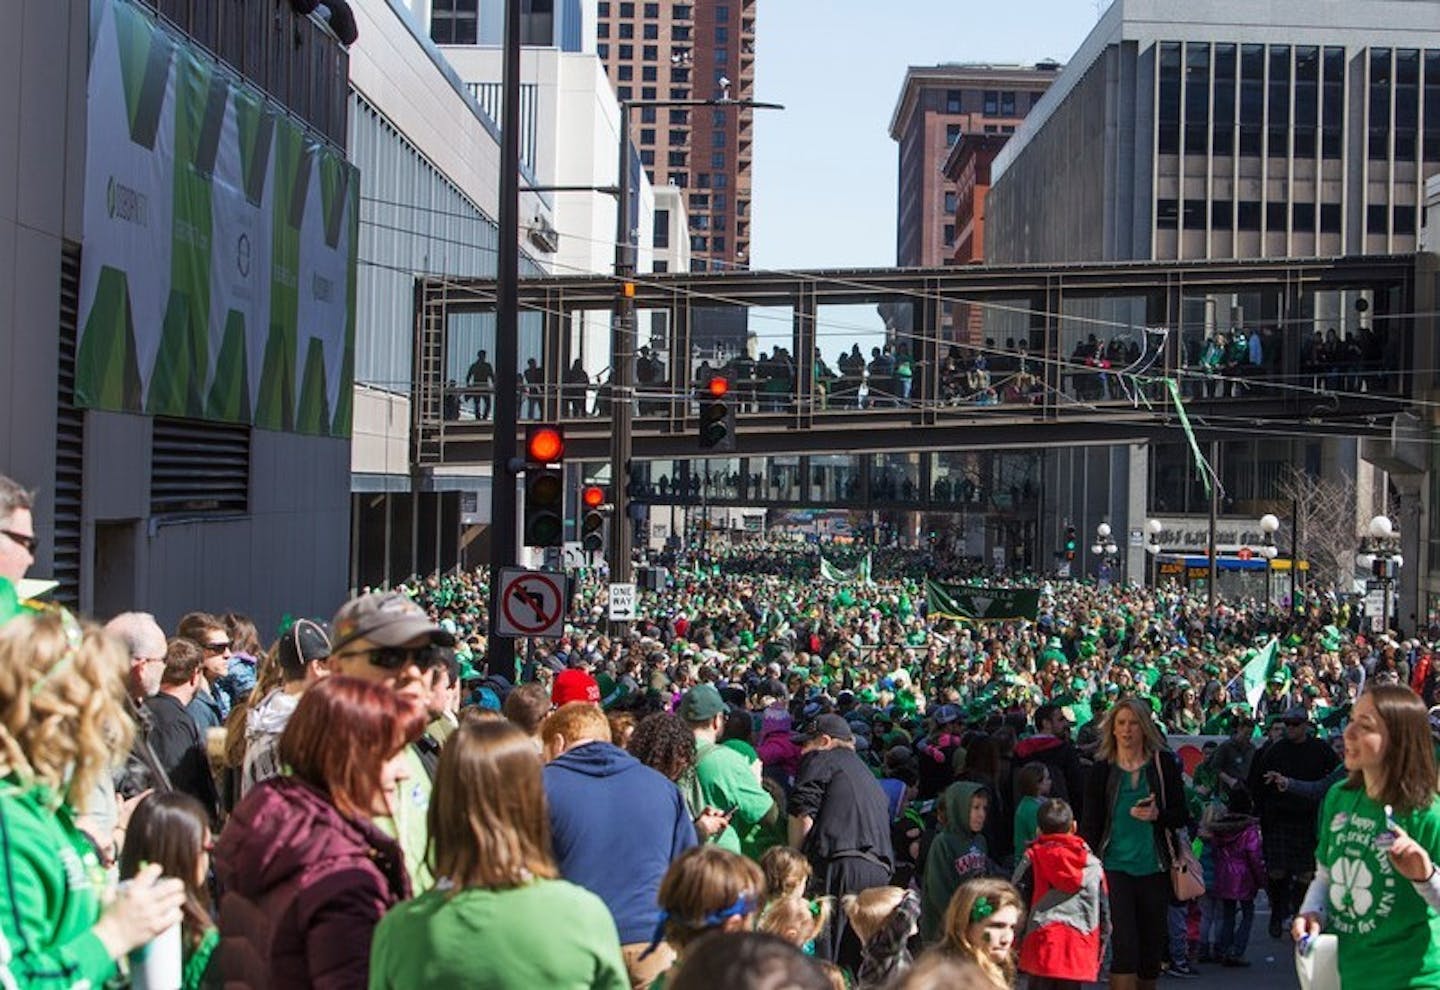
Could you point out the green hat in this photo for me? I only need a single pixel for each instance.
(702, 703)
(1210, 669)
(1278, 677)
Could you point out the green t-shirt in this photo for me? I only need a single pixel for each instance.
(724, 779)
(1132, 841)
(1386, 930)
(409, 826)
(1026, 827)
(549, 933)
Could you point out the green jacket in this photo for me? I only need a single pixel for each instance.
(549, 933)
(52, 882)
(956, 855)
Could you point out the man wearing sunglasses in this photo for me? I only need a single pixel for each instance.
(17, 530)
(386, 638)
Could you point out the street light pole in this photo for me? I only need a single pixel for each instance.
(622, 334)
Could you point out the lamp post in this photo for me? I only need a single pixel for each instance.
(622, 334)
(1153, 529)
(1105, 550)
(1269, 526)
(1380, 555)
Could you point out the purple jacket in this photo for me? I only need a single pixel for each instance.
(1239, 866)
(303, 888)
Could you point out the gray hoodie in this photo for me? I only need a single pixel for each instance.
(263, 725)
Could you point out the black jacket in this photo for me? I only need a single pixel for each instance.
(1104, 783)
(176, 742)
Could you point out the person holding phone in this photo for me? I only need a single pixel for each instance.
(1376, 885)
(1124, 822)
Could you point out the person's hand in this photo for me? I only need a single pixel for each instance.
(1145, 811)
(143, 909)
(1277, 780)
(1409, 858)
(1309, 923)
(712, 821)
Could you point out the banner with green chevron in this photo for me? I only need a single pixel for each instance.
(969, 603)
(218, 275)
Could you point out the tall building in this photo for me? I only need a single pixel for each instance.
(669, 50)
(1213, 129)
(938, 106)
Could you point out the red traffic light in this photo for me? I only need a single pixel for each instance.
(593, 496)
(718, 386)
(544, 445)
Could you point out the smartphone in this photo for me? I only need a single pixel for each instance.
(730, 811)
(1146, 801)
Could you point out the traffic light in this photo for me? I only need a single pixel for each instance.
(717, 416)
(544, 487)
(1069, 542)
(592, 519)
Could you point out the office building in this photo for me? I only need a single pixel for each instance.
(668, 50)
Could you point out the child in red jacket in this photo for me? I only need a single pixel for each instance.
(1069, 917)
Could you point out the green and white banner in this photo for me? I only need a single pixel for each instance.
(860, 572)
(968, 603)
(218, 272)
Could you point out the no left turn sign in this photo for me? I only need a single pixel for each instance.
(532, 603)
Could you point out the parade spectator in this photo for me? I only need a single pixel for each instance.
(501, 917)
(480, 380)
(52, 752)
(1069, 918)
(526, 708)
(980, 927)
(210, 705)
(173, 831)
(1239, 876)
(722, 779)
(303, 655)
(305, 872)
(1033, 786)
(959, 852)
(1134, 796)
(884, 919)
(747, 961)
(840, 820)
(1287, 817)
(707, 889)
(17, 527)
(245, 653)
(1051, 745)
(1376, 886)
(616, 826)
(174, 736)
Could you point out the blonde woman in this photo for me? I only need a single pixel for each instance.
(1134, 794)
(981, 926)
(62, 724)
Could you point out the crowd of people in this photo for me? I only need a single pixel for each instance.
(766, 780)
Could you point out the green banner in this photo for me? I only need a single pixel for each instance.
(968, 604)
(860, 572)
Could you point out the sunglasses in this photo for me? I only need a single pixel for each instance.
(399, 657)
(25, 541)
(216, 647)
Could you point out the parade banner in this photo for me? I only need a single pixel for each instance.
(860, 572)
(1257, 672)
(968, 604)
(218, 274)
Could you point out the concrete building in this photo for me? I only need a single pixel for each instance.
(674, 50)
(1226, 129)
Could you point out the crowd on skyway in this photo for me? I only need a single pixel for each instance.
(766, 779)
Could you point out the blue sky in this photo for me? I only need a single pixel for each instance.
(825, 166)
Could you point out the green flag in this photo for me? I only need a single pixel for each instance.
(829, 572)
(1258, 670)
(968, 603)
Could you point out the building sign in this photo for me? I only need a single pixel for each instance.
(218, 277)
(1190, 534)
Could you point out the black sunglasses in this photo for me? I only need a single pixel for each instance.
(23, 539)
(400, 657)
(216, 647)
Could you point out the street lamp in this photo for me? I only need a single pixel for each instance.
(1380, 555)
(622, 335)
(1153, 529)
(1104, 549)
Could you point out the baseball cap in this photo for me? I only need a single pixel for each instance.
(386, 618)
(829, 724)
(302, 643)
(574, 685)
(702, 703)
(1297, 715)
(946, 714)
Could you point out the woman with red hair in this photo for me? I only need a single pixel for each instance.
(305, 874)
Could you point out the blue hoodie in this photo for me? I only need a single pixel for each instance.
(616, 825)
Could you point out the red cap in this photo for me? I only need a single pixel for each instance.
(574, 685)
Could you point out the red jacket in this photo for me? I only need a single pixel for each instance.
(302, 889)
(1069, 910)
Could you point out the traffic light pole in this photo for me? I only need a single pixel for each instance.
(500, 650)
(622, 358)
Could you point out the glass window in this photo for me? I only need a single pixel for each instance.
(1169, 110)
(717, 159)
(625, 72)
(680, 32)
(1197, 98)
(1247, 214)
(717, 243)
(647, 92)
(651, 32)
(624, 93)
(1329, 218)
(699, 243)
(676, 159)
(1431, 125)
(1167, 214)
(1302, 217)
(679, 180)
(1404, 220)
(626, 52)
(647, 135)
(1193, 214)
(1223, 137)
(626, 30)
(647, 157)
(992, 102)
(1275, 216)
(949, 235)
(1252, 101)
(647, 115)
(603, 8)
(679, 137)
(1407, 104)
(682, 11)
(602, 30)
(952, 134)
(679, 117)
(717, 139)
(722, 35)
(950, 203)
(1332, 126)
(1307, 100)
(1222, 214)
(602, 51)
(721, 201)
(952, 100)
(647, 73)
(1007, 103)
(1378, 143)
(1377, 218)
(699, 201)
(1277, 141)
(652, 10)
(627, 10)
(722, 14)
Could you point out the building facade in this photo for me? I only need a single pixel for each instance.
(1223, 129)
(668, 50)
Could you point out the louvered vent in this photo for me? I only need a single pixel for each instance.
(199, 468)
(69, 438)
